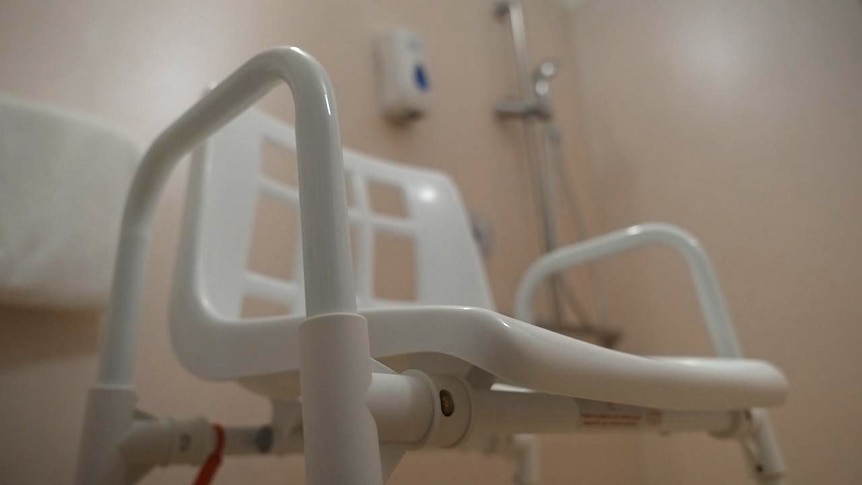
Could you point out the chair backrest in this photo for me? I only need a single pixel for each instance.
(228, 181)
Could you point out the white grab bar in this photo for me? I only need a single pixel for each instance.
(712, 304)
(761, 448)
(340, 442)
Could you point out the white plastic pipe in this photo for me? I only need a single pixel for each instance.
(107, 417)
(339, 432)
(709, 295)
(190, 441)
(766, 464)
(326, 253)
(409, 410)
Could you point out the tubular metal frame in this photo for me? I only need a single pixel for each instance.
(340, 439)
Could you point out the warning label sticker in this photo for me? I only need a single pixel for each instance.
(606, 414)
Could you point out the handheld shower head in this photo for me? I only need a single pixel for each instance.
(501, 8)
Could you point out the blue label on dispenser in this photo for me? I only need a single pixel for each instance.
(420, 77)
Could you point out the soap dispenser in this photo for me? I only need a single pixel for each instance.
(403, 82)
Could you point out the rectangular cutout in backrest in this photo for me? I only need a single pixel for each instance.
(394, 267)
(253, 307)
(278, 163)
(275, 239)
(387, 199)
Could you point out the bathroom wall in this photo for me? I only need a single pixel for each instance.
(740, 121)
(141, 63)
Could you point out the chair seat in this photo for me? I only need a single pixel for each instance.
(456, 340)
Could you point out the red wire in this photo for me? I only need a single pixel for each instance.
(210, 467)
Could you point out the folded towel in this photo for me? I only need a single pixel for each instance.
(63, 182)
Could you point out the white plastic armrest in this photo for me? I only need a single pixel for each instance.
(765, 462)
(709, 295)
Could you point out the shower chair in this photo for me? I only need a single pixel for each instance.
(378, 377)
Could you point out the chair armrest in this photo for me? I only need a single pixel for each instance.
(712, 305)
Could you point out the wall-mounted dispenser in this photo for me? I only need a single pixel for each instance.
(402, 75)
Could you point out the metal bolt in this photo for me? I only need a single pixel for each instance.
(264, 439)
(447, 403)
(185, 442)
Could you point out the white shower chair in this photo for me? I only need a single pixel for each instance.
(352, 406)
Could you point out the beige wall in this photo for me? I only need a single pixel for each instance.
(738, 120)
(139, 64)
(741, 121)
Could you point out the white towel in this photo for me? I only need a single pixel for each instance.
(63, 182)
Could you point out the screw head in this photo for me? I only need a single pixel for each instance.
(447, 403)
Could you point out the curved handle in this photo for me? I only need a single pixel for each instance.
(712, 304)
(348, 429)
(326, 251)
